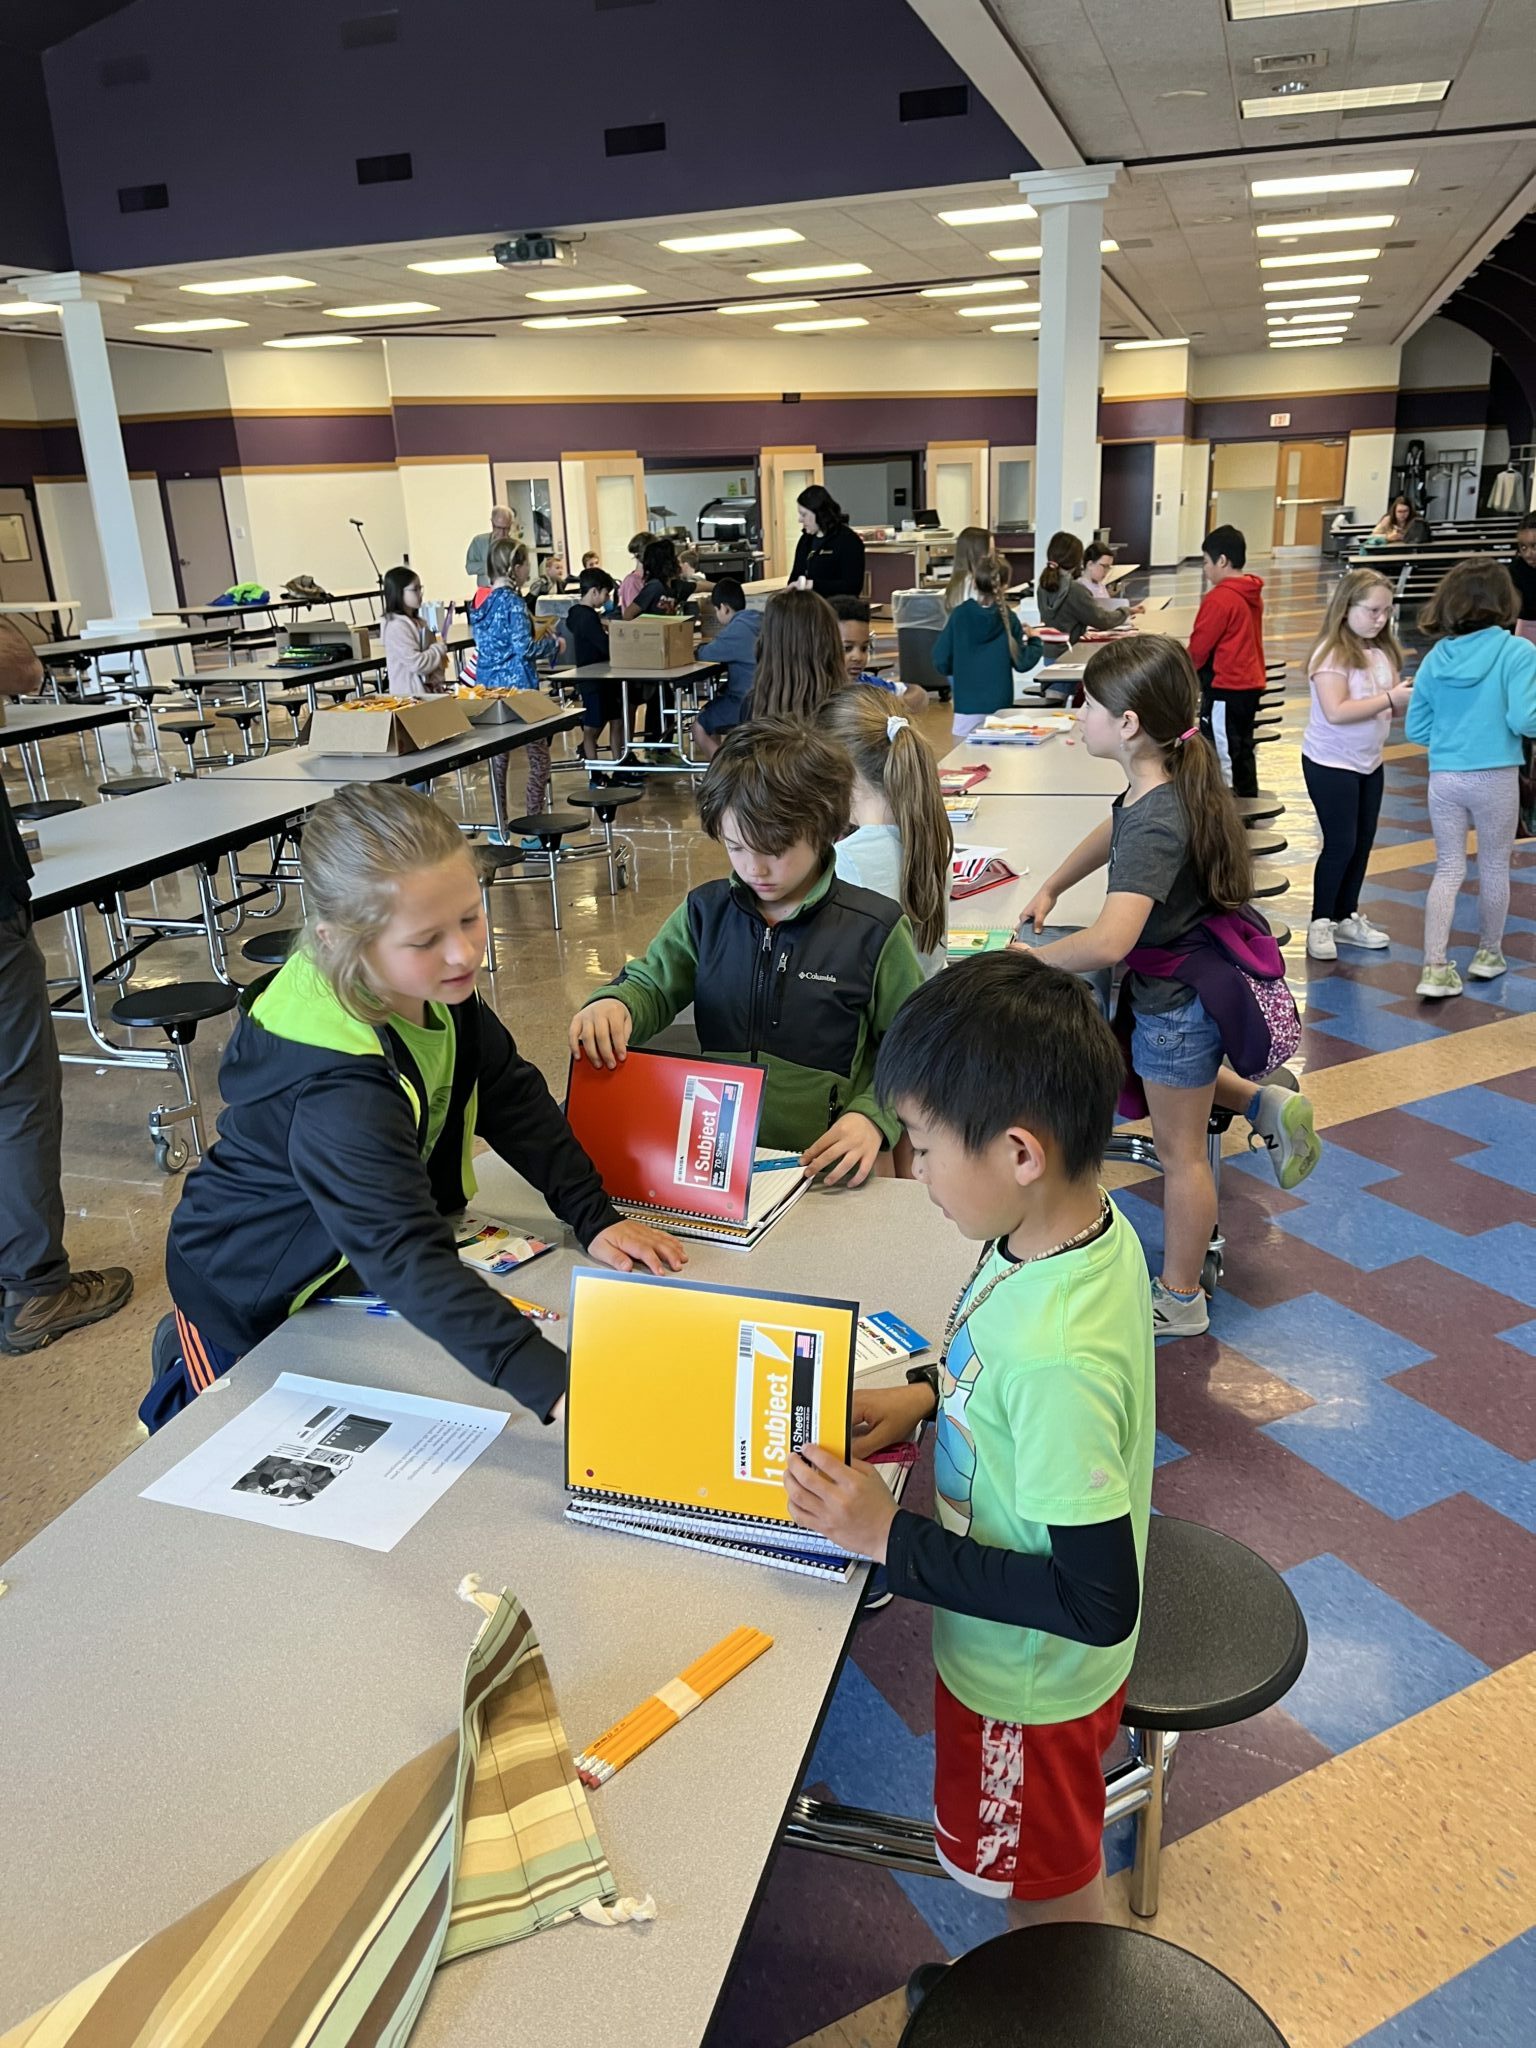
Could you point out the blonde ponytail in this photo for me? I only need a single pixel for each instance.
(891, 755)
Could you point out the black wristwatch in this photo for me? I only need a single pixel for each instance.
(928, 1375)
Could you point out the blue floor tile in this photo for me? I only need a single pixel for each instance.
(1488, 2005)
(1371, 1662)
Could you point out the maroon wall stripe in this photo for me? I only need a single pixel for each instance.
(1320, 412)
(1145, 419)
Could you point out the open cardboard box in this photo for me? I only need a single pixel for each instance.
(508, 707)
(651, 641)
(406, 729)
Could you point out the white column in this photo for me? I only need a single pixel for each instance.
(80, 298)
(1071, 209)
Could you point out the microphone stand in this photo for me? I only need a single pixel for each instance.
(378, 573)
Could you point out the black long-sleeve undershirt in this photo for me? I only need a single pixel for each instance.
(1087, 1588)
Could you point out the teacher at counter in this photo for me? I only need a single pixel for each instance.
(829, 556)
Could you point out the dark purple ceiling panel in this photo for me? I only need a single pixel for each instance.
(508, 115)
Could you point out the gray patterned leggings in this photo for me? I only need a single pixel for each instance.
(1487, 799)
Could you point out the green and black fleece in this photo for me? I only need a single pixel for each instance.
(809, 998)
(337, 1147)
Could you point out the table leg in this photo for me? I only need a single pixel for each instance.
(1149, 1829)
(32, 768)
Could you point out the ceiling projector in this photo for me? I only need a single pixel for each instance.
(525, 250)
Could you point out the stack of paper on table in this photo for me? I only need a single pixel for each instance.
(1021, 728)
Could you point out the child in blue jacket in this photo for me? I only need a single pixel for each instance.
(1473, 701)
(502, 626)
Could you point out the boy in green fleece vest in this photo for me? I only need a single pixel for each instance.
(784, 963)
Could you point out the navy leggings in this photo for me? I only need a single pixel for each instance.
(1347, 806)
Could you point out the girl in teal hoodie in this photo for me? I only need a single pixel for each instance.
(1473, 702)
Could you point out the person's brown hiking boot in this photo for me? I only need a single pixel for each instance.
(29, 1324)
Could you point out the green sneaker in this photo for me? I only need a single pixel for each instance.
(1283, 1121)
(1439, 981)
(1487, 965)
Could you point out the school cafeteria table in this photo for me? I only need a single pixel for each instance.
(33, 608)
(1058, 766)
(26, 725)
(679, 692)
(1035, 839)
(92, 646)
(276, 603)
(200, 1691)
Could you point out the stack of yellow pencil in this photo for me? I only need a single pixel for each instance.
(623, 1742)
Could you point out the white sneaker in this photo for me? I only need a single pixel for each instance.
(1357, 930)
(1488, 963)
(1320, 944)
(1172, 1316)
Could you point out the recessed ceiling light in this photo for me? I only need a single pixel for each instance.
(11, 310)
(1033, 252)
(1313, 257)
(578, 320)
(1311, 284)
(807, 271)
(315, 341)
(1185, 92)
(1342, 224)
(379, 312)
(771, 306)
(991, 312)
(1294, 305)
(1310, 320)
(1175, 341)
(981, 286)
(815, 326)
(983, 216)
(455, 266)
(184, 326)
(1017, 327)
(1310, 341)
(572, 292)
(1360, 98)
(738, 238)
(229, 286)
(1263, 10)
(1330, 181)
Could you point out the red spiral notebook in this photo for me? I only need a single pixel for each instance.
(674, 1137)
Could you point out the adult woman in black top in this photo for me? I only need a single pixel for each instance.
(829, 557)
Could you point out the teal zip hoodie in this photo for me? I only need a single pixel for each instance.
(1474, 700)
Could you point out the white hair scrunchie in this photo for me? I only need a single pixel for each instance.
(893, 725)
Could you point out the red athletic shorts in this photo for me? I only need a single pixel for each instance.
(1019, 1810)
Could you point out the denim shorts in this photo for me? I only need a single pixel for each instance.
(1176, 1048)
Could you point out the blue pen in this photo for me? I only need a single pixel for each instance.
(776, 1165)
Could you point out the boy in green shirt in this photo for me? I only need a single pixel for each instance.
(1006, 1076)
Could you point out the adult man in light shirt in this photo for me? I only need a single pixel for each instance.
(477, 554)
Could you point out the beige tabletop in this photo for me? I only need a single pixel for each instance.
(1035, 839)
(1058, 766)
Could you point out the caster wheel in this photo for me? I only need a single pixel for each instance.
(1210, 1272)
(623, 875)
(170, 1154)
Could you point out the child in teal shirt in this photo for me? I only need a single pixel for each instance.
(981, 646)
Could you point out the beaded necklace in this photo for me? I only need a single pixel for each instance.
(957, 1321)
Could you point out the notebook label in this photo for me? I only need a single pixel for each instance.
(708, 1128)
(778, 1397)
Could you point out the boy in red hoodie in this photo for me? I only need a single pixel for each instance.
(1226, 646)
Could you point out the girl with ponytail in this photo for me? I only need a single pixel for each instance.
(901, 845)
(1175, 913)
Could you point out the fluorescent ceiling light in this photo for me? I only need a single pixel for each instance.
(1357, 99)
(379, 312)
(1016, 326)
(185, 326)
(1266, 10)
(983, 216)
(808, 271)
(1310, 284)
(983, 285)
(1294, 305)
(229, 286)
(9, 310)
(315, 341)
(991, 312)
(455, 266)
(1313, 257)
(1330, 181)
(737, 238)
(1310, 341)
(1034, 252)
(571, 292)
(771, 306)
(1179, 342)
(1341, 224)
(815, 326)
(578, 320)
(1310, 319)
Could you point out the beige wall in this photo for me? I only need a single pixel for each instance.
(17, 401)
(444, 505)
(1196, 486)
(284, 525)
(1295, 370)
(1144, 372)
(1368, 473)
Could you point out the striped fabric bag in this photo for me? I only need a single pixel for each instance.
(484, 1838)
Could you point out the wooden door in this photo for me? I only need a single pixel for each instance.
(784, 473)
(531, 491)
(616, 508)
(956, 485)
(199, 536)
(1125, 496)
(23, 571)
(1309, 483)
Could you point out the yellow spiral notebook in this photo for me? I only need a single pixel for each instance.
(685, 1402)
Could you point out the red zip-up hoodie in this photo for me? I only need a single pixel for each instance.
(1226, 643)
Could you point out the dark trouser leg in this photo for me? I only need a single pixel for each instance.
(1336, 799)
(1367, 810)
(32, 1258)
(1242, 710)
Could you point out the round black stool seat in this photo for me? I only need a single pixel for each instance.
(131, 785)
(549, 826)
(1279, 932)
(604, 803)
(1268, 880)
(51, 807)
(240, 714)
(1222, 1637)
(270, 949)
(177, 1008)
(1262, 844)
(186, 728)
(1256, 810)
(1074, 1985)
(336, 691)
(291, 700)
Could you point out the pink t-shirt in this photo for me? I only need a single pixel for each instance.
(631, 586)
(1356, 746)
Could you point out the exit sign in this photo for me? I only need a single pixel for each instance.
(1279, 419)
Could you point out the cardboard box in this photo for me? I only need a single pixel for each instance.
(650, 642)
(406, 730)
(507, 707)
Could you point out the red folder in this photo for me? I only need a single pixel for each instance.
(670, 1131)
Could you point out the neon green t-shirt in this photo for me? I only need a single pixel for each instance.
(1045, 1415)
(431, 1046)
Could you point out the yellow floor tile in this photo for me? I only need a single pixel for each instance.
(1387, 1080)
